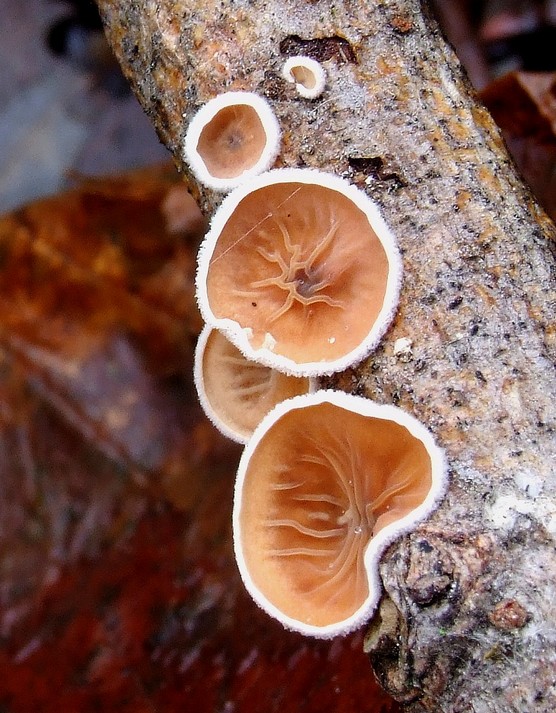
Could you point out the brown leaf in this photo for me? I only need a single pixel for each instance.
(523, 105)
(119, 589)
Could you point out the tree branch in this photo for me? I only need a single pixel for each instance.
(467, 622)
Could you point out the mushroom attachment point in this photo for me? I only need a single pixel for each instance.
(236, 393)
(326, 482)
(232, 137)
(307, 74)
(299, 271)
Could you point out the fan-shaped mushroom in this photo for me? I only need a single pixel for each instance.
(325, 483)
(236, 393)
(232, 137)
(299, 271)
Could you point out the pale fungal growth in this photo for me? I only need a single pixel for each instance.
(236, 393)
(307, 74)
(299, 271)
(326, 482)
(232, 137)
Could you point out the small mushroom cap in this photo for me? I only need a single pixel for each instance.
(307, 74)
(232, 137)
(299, 271)
(326, 482)
(236, 393)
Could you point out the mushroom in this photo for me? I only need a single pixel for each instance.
(233, 136)
(236, 393)
(299, 271)
(307, 74)
(325, 483)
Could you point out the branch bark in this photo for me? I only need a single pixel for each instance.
(467, 621)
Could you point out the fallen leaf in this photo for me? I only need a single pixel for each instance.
(523, 105)
(119, 590)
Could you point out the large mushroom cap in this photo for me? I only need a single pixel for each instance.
(326, 481)
(300, 271)
(232, 137)
(236, 393)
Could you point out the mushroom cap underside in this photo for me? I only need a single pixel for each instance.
(232, 137)
(307, 74)
(325, 483)
(232, 142)
(300, 272)
(236, 393)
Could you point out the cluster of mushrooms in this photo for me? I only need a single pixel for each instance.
(299, 277)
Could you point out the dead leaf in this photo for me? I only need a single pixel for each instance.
(119, 589)
(523, 105)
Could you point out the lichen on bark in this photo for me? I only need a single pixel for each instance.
(467, 621)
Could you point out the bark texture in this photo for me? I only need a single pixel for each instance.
(467, 622)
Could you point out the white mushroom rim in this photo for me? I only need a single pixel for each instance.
(319, 539)
(307, 74)
(304, 273)
(236, 393)
(231, 138)
(198, 377)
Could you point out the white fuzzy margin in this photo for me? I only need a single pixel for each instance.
(239, 335)
(378, 543)
(199, 379)
(206, 113)
(313, 66)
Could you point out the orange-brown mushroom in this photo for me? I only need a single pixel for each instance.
(299, 271)
(236, 393)
(325, 483)
(234, 136)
